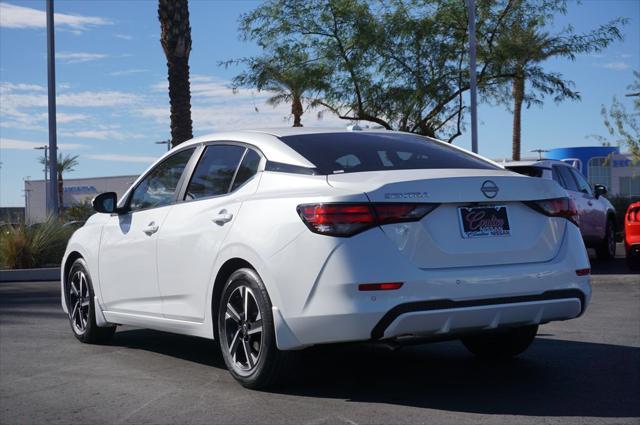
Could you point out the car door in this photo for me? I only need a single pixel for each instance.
(128, 262)
(196, 227)
(569, 183)
(596, 216)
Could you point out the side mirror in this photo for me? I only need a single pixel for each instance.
(105, 202)
(600, 190)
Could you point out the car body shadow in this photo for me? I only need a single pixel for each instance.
(553, 378)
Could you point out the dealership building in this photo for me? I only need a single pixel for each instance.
(75, 191)
(603, 165)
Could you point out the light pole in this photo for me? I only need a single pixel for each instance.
(45, 148)
(51, 83)
(471, 6)
(164, 142)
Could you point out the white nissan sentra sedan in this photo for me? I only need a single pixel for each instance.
(272, 241)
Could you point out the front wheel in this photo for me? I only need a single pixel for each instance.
(81, 306)
(247, 333)
(501, 344)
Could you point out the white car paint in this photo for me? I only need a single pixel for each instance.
(164, 279)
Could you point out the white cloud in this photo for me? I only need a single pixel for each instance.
(13, 16)
(122, 158)
(102, 134)
(23, 106)
(128, 72)
(15, 144)
(79, 57)
(6, 87)
(616, 65)
(123, 36)
(63, 118)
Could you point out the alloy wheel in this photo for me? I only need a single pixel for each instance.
(79, 302)
(243, 329)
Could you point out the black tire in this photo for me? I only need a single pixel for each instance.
(633, 262)
(606, 249)
(81, 309)
(266, 368)
(501, 344)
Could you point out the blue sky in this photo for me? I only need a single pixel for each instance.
(113, 103)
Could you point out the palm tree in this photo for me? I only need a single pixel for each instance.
(289, 75)
(523, 49)
(65, 164)
(175, 37)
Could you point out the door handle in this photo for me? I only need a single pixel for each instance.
(151, 228)
(222, 217)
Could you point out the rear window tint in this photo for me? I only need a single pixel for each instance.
(333, 153)
(527, 170)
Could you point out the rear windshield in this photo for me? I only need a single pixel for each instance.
(333, 153)
(527, 170)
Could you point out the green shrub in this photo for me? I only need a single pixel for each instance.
(80, 211)
(39, 245)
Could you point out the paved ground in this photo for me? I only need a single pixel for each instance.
(581, 371)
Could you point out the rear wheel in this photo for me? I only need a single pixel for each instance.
(606, 250)
(246, 332)
(501, 344)
(81, 306)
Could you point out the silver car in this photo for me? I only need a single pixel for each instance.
(596, 215)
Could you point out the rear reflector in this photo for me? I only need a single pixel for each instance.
(559, 207)
(379, 286)
(349, 219)
(583, 272)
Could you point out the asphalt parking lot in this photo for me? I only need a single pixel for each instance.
(581, 371)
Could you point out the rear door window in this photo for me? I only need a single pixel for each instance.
(247, 169)
(566, 178)
(333, 153)
(215, 171)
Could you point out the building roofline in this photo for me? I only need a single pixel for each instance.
(134, 176)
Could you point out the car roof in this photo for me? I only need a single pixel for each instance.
(267, 140)
(542, 163)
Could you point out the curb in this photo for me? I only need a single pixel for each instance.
(30, 275)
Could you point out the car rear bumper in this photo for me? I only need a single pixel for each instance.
(441, 316)
(437, 303)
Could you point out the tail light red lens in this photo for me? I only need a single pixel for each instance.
(389, 286)
(583, 272)
(559, 207)
(348, 219)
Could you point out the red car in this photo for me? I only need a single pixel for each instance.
(632, 235)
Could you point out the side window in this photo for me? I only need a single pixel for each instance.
(556, 176)
(158, 188)
(214, 172)
(567, 178)
(247, 169)
(583, 185)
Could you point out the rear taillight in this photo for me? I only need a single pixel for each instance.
(633, 215)
(348, 219)
(559, 207)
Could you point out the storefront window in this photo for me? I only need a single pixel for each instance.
(630, 186)
(599, 171)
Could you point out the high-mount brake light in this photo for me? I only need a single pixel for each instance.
(388, 286)
(558, 207)
(348, 219)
